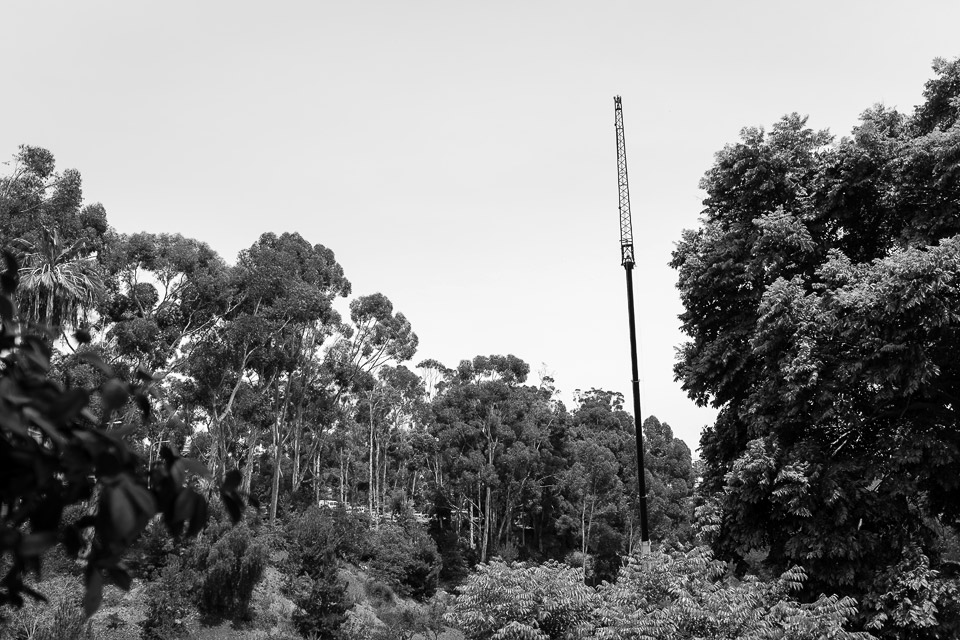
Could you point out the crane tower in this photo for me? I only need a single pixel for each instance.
(627, 260)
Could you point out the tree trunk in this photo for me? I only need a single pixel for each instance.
(251, 455)
(343, 492)
(504, 524)
(370, 475)
(488, 501)
(278, 446)
(297, 434)
(473, 538)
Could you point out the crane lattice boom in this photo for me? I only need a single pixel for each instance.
(626, 225)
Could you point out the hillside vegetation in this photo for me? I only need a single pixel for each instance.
(197, 449)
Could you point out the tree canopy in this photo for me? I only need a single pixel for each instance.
(822, 309)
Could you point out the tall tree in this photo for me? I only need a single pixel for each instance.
(44, 223)
(165, 292)
(497, 440)
(376, 338)
(266, 345)
(60, 283)
(821, 303)
(34, 198)
(670, 479)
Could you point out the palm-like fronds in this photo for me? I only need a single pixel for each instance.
(59, 284)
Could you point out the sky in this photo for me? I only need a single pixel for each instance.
(458, 157)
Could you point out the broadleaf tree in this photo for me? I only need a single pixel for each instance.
(822, 309)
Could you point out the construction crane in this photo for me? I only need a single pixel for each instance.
(627, 260)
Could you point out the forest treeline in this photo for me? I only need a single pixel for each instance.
(822, 305)
(253, 369)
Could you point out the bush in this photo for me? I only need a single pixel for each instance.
(541, 602)
(378, 593)
(231, 566)
(321, 604)
(169, 603)
(319, 533)
(407, 621)
(453, 563)
(61, 618)
(151, 552)
(407, 559)
(689, 594)
(662, 596)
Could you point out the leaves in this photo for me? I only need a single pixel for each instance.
(822, 304)
(54, 456)
(682, 594)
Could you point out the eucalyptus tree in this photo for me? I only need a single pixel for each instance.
(376, 337)
(498, 442)
(402, 411)
(266, 345)
(35, 197)
(165, 292)
(596, 506)
(289, 287)
(670, 482)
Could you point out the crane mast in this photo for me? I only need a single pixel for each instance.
(626, 224)
(627, 260)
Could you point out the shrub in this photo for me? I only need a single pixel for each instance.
(406, 558)
(321, 604)
(912, 600)
(453, 563)
(682, 595)
(408, 620)
(318, 533)
(60, 618)
(151, 552)
(689, 594)
(402, 622)
(231, 566)
(540, 602)
(378, 593)
(169, 603)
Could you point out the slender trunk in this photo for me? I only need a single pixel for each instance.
(297, 433)
(488, 502)
(473, 538)
(504, 526)
(583, 530)
(538, 531)
(343, 478)
(593, 505)
(383, 476)
(251, 456)
(275, 480)
(278, 445)
(370, 475)
(378, 488)
(217, 426)
(485, 549)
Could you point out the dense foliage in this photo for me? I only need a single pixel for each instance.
(673, 595)
(56, 452)
(822, 306)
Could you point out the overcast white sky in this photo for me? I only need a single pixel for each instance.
(458, 157)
